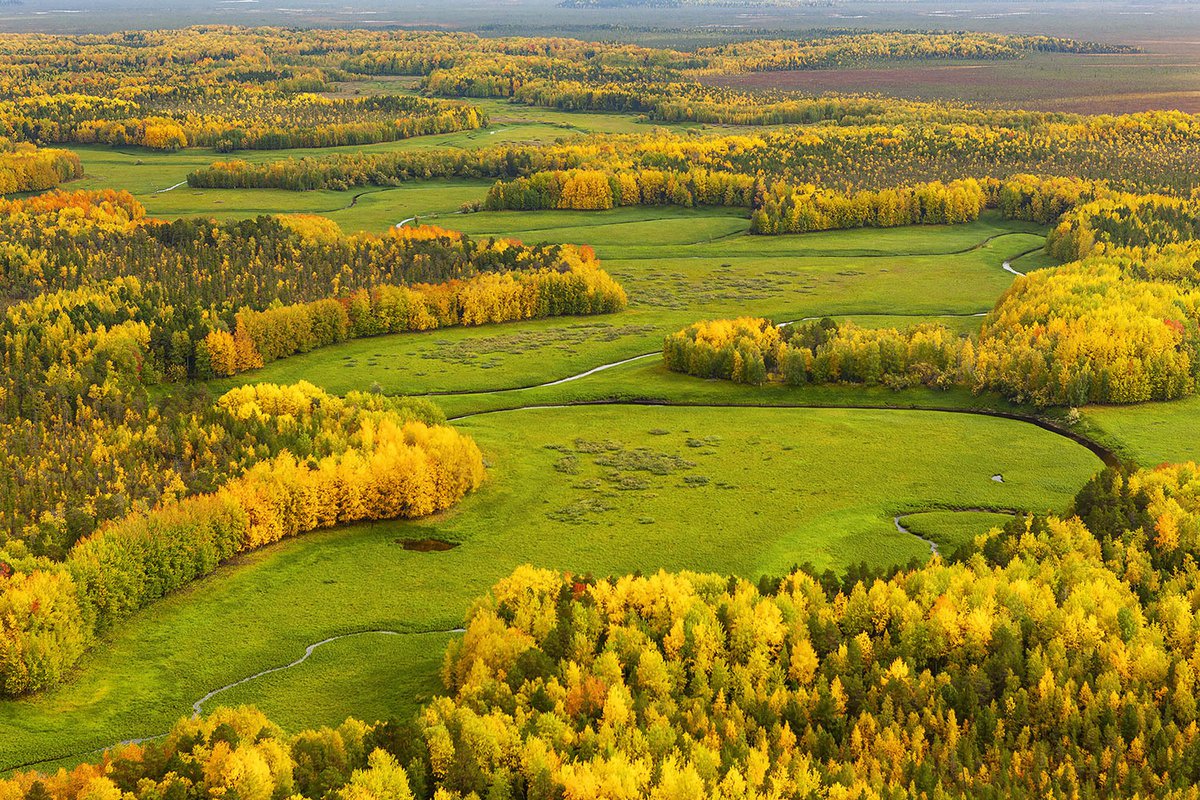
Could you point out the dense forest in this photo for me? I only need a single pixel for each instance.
(271, 88)
(194, 277)
(114, 496)
(370, 458)
(219, 87)
(24, 168)
(1053, 657)
(1149, 152)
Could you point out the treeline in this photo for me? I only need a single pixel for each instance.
(238, 752)
(784, 208)
(787, 209)
(185, 279)
(222, 87)
(73, 239)
(386, 466)
(777, 209)
(275, 123)
(260, 337)
(591, 190)
(425, 52)
(1137, 152)
(858, 48)
(1049, 658)
(1089, 332)
(1142, 153)
(1115, 219)
(1041, 199)
(26, 169)
(346, 170)
(251, 119)
(754, 351)
(1121, 325)
(683, 102)
(101, 303)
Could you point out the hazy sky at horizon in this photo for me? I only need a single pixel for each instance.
(1107, 19)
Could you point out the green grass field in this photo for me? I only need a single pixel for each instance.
(951, 530)
(605, 490)
(725, 478)
(948, 275)
(1150, 433)
(372, 209)
(150, 175)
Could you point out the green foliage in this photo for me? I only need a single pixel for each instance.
(237, 752)
(26, 169)
(380, 464)
(755, 350)
(826, 484)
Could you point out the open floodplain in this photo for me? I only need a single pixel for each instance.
(602, 410)
(626, 468)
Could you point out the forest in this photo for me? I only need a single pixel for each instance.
(1051, 655)
(1137, 153)
(397, 414)
(115, 497)
(1118, 323)
(382, 462)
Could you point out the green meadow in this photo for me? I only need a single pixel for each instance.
(629, 468)
(674, 277)
(600, 490)
(1148, 434)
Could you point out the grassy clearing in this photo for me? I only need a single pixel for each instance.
(648, 381)
(787, 278)
(376, 210)
(613, 232)
(951, 530)
(640, 233)
(369, 676)
(372, 209)
(1038, 259)
(605, 490)
(1149, 433)
(146, 172)
(502, 358)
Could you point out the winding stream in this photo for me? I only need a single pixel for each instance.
(198, 706)
(1105, 455)
(1007, 266)
(933, 548)
(642, 356)
(591, 371)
